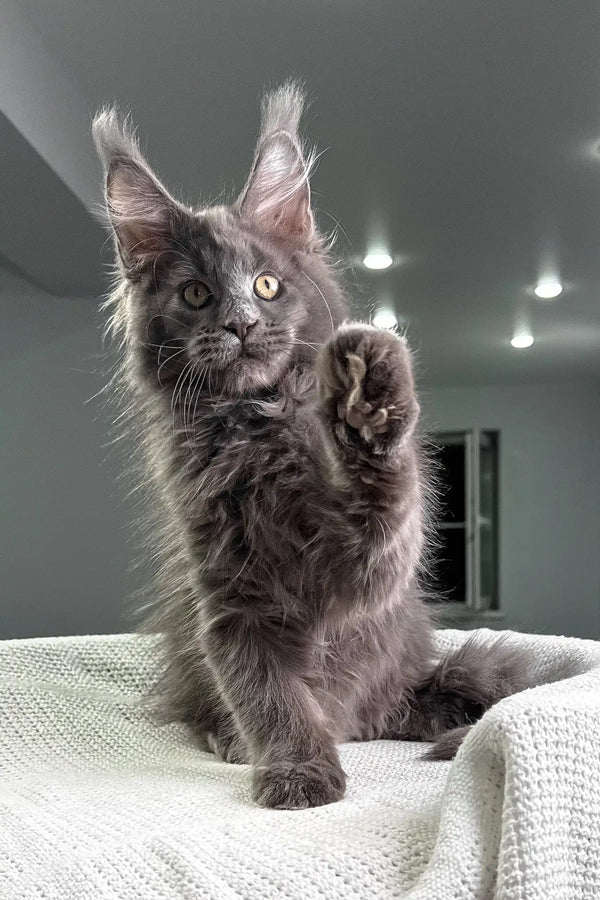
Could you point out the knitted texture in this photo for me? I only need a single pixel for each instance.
(98, 800)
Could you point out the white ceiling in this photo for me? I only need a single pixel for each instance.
(462, 134)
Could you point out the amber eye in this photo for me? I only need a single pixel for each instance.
(266, 286)
(196, 294)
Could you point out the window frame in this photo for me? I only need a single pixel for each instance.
(472, 439)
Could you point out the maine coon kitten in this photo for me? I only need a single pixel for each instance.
(288, 479)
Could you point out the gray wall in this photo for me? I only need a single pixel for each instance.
(64, 556)
(549, 497)
(63, 520)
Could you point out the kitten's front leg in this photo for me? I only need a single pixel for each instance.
(367, 394)
(260, 666)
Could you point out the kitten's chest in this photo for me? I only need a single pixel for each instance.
(251, 485)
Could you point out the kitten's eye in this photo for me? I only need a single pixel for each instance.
(266, 286)
(196, 294)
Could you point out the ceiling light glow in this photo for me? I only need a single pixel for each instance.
(378, 260)
(548, 289)
(385, 318)
(521, 341)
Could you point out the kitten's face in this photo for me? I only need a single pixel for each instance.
(229, 296)
(235, 305)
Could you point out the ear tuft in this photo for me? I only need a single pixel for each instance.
(277, 194)
(282, 108)
(114, 136)
(141, 211)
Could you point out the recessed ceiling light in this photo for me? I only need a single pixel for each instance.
(385, 318)
(548, 289)
(378, 260)
(521, 341)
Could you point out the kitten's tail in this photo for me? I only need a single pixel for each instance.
(462, 686)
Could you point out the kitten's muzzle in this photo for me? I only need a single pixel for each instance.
(239, 327)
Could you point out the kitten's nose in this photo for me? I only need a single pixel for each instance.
(239, 328)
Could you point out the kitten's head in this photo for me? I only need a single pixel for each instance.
(236, 293)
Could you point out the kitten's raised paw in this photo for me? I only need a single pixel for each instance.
(366, 383)
(299, 785)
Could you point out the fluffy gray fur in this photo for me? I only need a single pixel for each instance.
(288, 485)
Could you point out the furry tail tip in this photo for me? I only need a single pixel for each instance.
(466, 683)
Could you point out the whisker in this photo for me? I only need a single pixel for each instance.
(323, 298)
(150, 345)
(164, 316)
(198, 392)
(175, 398)
(305, 343)
(187, 421)
(164, 363)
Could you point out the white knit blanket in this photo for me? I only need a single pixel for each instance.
(98, 801)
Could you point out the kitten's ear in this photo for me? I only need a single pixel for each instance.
(141, 211)
(277, 194)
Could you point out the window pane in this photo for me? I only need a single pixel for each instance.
(451, 561)
(452, 458)
(487, 473)
(488, 519)
(487, 565)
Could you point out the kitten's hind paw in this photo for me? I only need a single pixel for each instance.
(367, 388)
(447, 744)
(227, 746)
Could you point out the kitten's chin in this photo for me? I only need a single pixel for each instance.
(245, 374)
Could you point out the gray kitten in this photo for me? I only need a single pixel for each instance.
(288, 481)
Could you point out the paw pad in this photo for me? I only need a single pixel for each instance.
(354, 409)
